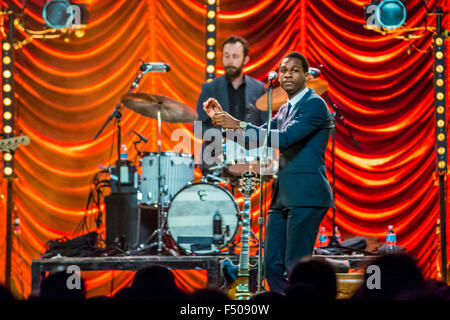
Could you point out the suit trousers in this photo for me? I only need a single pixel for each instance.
(290, 235)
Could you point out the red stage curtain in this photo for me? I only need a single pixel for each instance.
(66, 91)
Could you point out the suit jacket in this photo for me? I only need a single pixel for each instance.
(218, 89)
(302, 139)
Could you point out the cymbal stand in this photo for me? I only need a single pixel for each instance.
(161, 218)
(118, 115)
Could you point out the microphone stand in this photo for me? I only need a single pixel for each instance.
(118, 115)
(334, 244)
(262, 208)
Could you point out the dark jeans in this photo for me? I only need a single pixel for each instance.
(290, 235)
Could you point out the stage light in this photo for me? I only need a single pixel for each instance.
(7, 156)
(79, 33)
(440, 109)
(439, 82)
(440, 96)
(8, 171)
(441, 164)
(58, 14)
(7, 60)
(211, 14)
(209, 80)
(7, 115)
(6, 46)
(439, 41)
(441, 150)
(391, 14)
(441, 137)
(439, 68)
(439, 55)
(7, 129)
(7, 74)
(211, 29)
(440, 123)
(7, 102)
(7, 88)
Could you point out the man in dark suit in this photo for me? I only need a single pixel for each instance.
(236, 92)
(302, 193)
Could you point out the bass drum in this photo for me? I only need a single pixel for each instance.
(191, 215)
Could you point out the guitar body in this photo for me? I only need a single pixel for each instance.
(239, 289)
(234, 283)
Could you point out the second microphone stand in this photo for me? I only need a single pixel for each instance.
(334, 243)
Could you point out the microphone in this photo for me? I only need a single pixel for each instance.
(314, 72)
(217, 229)
(140, 136)
(272, 75)
(154, 67)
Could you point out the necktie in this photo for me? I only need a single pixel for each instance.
(289, 109)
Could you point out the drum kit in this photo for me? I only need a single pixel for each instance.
(201, 217)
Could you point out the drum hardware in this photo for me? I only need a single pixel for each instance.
(163, 109)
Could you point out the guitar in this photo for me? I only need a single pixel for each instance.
(10, 144)
(239, 288)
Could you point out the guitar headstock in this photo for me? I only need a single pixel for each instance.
(248, 183)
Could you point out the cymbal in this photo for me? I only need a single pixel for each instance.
(280, 97)
(148, 104)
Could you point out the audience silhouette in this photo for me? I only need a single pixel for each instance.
(399, 276)
(55, 287)
(312, 278)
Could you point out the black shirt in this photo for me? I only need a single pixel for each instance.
(237, 100)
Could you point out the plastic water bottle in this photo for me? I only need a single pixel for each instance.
(322, 237)
(123, 152)
(337, 234)
(391, 239)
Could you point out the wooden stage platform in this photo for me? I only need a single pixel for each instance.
(211, 264)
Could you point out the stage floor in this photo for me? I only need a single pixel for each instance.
(212, 264)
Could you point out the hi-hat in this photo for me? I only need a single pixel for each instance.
(148, 104)
(280, 97)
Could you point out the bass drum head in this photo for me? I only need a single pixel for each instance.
(191, 213)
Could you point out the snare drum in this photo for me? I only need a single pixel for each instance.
(239, 160)
(191, 215)
(177, 170)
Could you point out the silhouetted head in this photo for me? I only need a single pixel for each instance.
(155, 282)
(398, 276)
(318, 273)
(62, 286)
(304, 291)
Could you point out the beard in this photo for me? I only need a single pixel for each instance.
(233, 72)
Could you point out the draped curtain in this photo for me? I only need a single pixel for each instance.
(65, 91)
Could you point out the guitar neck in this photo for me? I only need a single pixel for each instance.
(244, 256)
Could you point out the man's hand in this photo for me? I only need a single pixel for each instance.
(225, 121)
(211, 107)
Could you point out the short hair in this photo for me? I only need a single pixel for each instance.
(234, 39)
(299, 56)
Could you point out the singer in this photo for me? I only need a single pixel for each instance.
(235, 91)
(301, 194)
